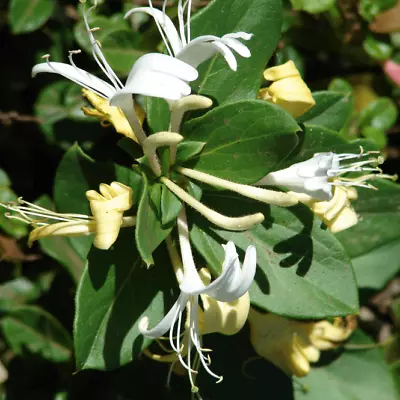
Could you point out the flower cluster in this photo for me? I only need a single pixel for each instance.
(205, 305)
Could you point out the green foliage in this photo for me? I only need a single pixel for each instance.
(115, 292)
(244, 140)
(26, 17)
(313, 6)
(369, 9)
(373, 244)
(344, 378)
(296, 258)
(29, 328)
(304, 271)
(262, 18)
(377, 49)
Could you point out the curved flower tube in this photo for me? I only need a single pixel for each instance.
(233, 283)
(317, 175)
(155, 75)
(200, 49)
(290, 344)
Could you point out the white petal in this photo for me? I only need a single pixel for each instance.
(233, 281)
(166, 24)
(227, 54)
(159, 75)
(239, 35)
(239, 47)
(165, 324)
(204, 47)
(77, 75)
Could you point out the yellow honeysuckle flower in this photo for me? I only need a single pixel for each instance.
(291, 344)
(287, 90)
(337, 213)
(109, 114)
(108, 209)
(215, 316)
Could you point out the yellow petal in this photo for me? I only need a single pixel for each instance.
(292, 94)
(281, 71)
(72, 228)
(107, 209)
(344, 220)
(106, 113)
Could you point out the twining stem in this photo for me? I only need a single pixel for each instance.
(266, 196)
(237, 224)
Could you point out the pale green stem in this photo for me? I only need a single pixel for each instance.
(236, 224)
(266, 196)
(175, 259)
(156, 140)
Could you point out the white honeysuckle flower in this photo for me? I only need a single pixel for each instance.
(156, 75)
(232, 284)
(317, 175)
(200, 49)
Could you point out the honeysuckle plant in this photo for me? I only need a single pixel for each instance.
(209, 217)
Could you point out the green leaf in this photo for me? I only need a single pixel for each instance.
(317, 139)
(313, 6)
(376, 135)
(262, 18)
(28, 16)
(57, 101)
(340, 85)
(114, 294)
(149, 232)
(354, 375)
(17, 292)
(376, 49)
(158, 114)
(244, 140)
(369, 9)
(374, 243)
(381, 114)
(303, 271)
(187, 150)
(31, 328)
(331, 111)
(170, 206)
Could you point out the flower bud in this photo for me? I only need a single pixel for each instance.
(290, 344)
(108, 209)
(288, 89)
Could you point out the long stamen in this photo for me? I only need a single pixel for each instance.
(181, 20)
(98, 54)
(188, 20)
(161, 30)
